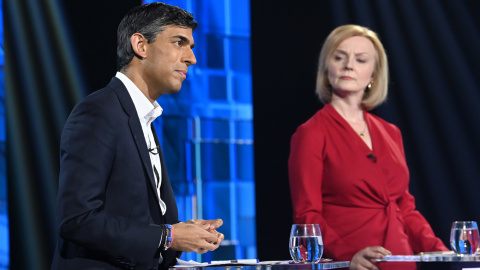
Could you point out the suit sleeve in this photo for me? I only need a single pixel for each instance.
(305, 166)
(88, 152)
(420, 233)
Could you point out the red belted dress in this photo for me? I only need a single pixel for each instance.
(358, 195)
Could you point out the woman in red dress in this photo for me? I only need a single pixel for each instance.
(347, 167)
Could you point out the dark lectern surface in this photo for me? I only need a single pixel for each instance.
(439, 261)
(448, 265)
(261, 266)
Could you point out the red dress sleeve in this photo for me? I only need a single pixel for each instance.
(305, 175)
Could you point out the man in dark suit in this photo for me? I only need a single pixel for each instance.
(115, 207)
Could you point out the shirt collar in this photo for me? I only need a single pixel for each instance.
(146, 110)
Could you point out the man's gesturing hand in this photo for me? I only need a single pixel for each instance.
(198, 238)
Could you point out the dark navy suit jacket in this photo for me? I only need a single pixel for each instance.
(108, 214)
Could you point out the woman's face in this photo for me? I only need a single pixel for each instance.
(351, 66)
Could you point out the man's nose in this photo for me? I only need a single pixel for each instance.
(190, 58)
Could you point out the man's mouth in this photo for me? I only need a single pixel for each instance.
(183, 73)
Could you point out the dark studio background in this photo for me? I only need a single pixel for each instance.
(434, 96)
(52, 60)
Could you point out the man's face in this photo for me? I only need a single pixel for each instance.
(167, 60)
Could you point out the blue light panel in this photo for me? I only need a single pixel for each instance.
(4, 242)
(207, 128)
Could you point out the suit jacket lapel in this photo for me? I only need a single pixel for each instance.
(166, 192)
(135, 128)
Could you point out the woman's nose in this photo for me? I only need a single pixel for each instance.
(348, 65)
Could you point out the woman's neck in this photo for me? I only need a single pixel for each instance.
(349, 108)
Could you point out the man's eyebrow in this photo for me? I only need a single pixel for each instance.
(184, 39)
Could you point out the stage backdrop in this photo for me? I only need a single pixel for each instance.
(44, 77)
(434, 99)
(4, 253)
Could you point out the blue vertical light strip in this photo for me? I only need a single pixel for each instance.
(231, 127)
(215, 103)
(4, 235)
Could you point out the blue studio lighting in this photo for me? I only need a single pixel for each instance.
(4, 236)
(207, 128)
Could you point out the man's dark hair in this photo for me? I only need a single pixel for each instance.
(148, 20)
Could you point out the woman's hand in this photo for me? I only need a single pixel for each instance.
(365, 258)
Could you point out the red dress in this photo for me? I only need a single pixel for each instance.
(359, 196)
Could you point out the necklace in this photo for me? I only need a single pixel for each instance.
(362, 133)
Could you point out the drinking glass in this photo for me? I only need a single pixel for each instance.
(464, 237)
(306, 243)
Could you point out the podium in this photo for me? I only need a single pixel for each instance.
(438, 261)
(269, 266)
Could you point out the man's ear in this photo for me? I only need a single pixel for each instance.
(139, 43)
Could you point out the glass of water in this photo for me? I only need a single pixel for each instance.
(464, 237)
(306, 243)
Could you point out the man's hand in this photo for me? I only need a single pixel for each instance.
(198, 238)
(208, 225)
(365, 258)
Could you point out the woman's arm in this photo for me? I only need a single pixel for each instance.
(306, 166)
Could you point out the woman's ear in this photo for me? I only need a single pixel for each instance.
(139, 42)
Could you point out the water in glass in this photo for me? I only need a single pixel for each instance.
(306, 243)
(464, 237)
(306, 249)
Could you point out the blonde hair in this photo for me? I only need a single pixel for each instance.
(379, 88)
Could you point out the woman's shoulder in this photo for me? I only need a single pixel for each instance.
(380, 122)
(314, 126)
(315, 121)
